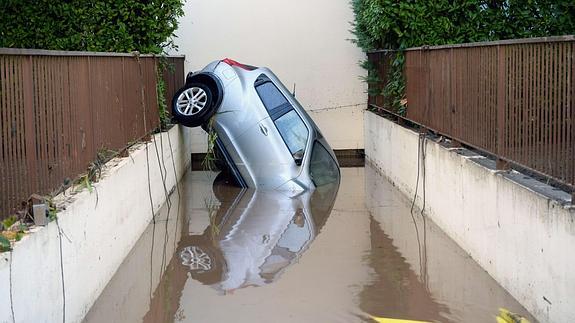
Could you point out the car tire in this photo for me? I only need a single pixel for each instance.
(193, 105)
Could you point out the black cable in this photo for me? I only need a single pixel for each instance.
(142, 100)
(11, 297)
(142, 103)
(150, 185)
(168, 202)
(417, 179)
(423, 189)
(423, 155)
(153, 221)
(164, 173)
(163, 161)
(152, 257)
(419, 143)
(177, 189)
(62, 272)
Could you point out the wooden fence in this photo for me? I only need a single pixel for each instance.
(58, 109)
(513, 99)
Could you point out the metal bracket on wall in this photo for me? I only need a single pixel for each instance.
(502, 165)
(455, 144)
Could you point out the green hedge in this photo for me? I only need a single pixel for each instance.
(397, 24)
(94, 25)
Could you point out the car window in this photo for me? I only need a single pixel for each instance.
(322, 169)
(293, 131)
(270, 96)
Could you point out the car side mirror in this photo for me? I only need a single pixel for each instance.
(298, 157)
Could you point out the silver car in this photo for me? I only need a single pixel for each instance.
(265, 137)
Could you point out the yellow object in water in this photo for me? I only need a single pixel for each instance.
(505, 316)
(386, 320)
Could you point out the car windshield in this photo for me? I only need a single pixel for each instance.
(323, 169)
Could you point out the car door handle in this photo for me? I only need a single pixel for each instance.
(263, 129)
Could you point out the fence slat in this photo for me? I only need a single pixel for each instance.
(572, 118)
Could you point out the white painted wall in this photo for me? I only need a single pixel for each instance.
(521, 238)
(100, 228)
(450, 276)
(126, 298)
(303, 42)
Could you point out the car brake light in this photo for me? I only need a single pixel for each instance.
(231, 62)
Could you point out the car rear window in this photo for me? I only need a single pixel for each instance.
(322, 169)
(293, 131)
(271, 96)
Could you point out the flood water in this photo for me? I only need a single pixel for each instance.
(220, 254)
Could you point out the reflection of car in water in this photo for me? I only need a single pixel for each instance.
(255, 235)
(264, 136)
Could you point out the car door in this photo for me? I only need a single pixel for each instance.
(264, 156)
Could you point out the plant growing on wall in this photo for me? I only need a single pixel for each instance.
(163, 65)
(4, 244)
(397, 25)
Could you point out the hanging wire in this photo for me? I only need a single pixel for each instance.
(143, 105)
(177, 189)
(423, 189)
(164, 176)
(421, 153)
(168, 202)
(62, 271)
(11, 295)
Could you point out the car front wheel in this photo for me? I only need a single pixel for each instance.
(193, 105)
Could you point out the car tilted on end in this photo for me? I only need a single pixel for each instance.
(265, 137)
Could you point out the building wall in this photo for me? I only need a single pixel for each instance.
(303, 42)
(520, 236)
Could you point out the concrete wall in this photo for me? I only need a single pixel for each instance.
(99, 229)
(128, 295)
(303, 42)
(522, 238)
(470, 295)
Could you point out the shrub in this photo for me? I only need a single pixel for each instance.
(97, 25)
(400, 24)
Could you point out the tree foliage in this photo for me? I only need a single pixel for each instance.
(146, 26)
(400, 24)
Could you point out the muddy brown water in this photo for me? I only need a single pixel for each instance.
(220, 254)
